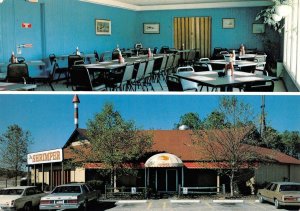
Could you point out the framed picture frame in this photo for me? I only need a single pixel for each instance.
(103, 27)
(151, 28)
(258, 28)
(228, 23)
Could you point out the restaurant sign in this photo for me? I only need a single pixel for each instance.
(50, 156)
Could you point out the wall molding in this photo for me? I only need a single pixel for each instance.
(232, 4)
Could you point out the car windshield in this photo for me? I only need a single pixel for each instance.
(67, 189)
(11, 191)
(290, 188)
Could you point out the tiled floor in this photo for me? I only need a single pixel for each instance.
(61, 86)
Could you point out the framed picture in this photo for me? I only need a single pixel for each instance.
(103, 27)
(228, 23)
(151, 28)
(258, 28)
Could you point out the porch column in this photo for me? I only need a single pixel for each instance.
(62, 173)
(218, 183)
(156, 179)
(42, 177)
(51, 177)
(34, 182)
(166, 180)
(145, 177)
(182, 177)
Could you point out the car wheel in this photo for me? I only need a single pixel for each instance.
(27, 207)
(261, 199)
(277, 205)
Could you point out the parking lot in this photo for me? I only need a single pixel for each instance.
(183, 205)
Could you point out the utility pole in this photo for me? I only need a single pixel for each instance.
(263, 116)
(76, 101)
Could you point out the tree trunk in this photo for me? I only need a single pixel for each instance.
(231, 183)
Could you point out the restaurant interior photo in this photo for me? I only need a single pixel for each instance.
(142, 45)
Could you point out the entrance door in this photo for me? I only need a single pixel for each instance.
(171, 180)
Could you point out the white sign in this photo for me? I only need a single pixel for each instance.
(133, 190)
(50, 156)
(185, 190)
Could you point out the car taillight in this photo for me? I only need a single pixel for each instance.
(289, 198)
(12, 203)
(45, 202)
(73, 201)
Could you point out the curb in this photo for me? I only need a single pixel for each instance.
(184, 201)
(131, 201)
(228, 201)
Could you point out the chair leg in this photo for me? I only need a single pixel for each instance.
(51, 86)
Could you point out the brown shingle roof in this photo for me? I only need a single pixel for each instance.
(179, 143)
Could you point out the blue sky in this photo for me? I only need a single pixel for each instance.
(49, 117)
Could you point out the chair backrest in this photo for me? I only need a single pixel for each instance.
(170, 61)
(115, 54)
(141, 71)
(185, 69)
(72, 59)
(164, 49)
(260, 58)
(52, 58)
(80, 78)
(191, 55)
(176, 61)
(17, 72)
(78, 62)
(149, 68)
(268, 87)
(163, 63)
(223, 52)
(204, 60)
(174, 84)
(202, 67)
(128, 72)
(155, 50)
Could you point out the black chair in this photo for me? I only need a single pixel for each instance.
(155, 50)
(125, 80)
(164, 49)
(72, 59)
(49, 78)
(174, 84)
(81, 80)
(115, 54)
(18, 73)
(59, 71)
(258, 87)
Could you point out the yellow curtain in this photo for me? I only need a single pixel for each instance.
(193, 33)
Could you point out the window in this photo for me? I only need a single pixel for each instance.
(291, 53)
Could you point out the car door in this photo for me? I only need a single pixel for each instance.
(266, 192)
(36, 197)
(272, 192)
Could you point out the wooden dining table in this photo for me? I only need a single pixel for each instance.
(212, 79)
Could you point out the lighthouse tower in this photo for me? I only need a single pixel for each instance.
(76, 101)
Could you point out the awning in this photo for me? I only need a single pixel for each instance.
(215, 165)
(163, 160)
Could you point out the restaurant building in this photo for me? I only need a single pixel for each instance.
(173, 162)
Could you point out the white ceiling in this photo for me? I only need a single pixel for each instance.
(141, 5)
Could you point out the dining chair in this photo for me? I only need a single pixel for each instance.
(190, 58)
(18, 73)
(48, 78)
(187, 85)
(148, 74)
(174, 84)
(72, 59)
(158, 73)
(81, 80)
(139, 75)
(123, 79)
(164, 49)
(258, 87)
(169, 65)
(59, 70)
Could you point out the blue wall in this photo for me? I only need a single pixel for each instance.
(227, 38)
(71, 23)
(68, 24)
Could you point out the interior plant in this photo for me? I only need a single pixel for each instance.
(273, 15)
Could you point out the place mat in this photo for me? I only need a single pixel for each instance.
(253, 78)
(205, 73)
(202, 78)
(240, 73)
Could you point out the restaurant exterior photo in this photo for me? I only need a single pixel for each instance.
(182, 160)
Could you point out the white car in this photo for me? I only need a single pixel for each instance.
(69, 196)
(20, 197)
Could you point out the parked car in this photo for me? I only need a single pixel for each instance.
(69, 196)
(281, 194)
(20, 197)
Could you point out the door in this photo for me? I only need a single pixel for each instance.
(171, 180)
